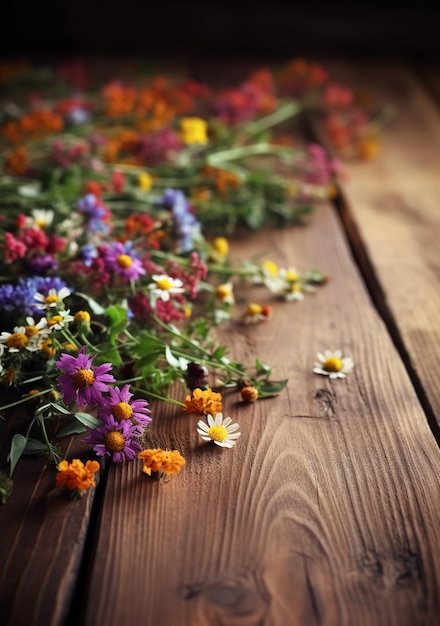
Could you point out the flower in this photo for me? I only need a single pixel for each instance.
(81, 381)
(196, 376)
(145, 181)
(332, 364)
(77, 476)
(249, 393)
(225, 293)
(119, 406)
(115, 439)
(163, 287)
(52, 298)
(257, 312)
(193, 130)
(19, 340)
(203, 401)
(158, 460)
(221, 431)
(120, 259)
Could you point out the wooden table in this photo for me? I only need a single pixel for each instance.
(328, 509)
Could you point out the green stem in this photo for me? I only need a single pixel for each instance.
(280, 115)
(159, 397)
(23, 400)
(242, 152)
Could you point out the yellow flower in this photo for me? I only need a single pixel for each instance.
(225, 293)
(221, 246)
(203, 401)
(145, 181)
(193, 130)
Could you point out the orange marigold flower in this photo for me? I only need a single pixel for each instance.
(76, 476)
(204, 401)
(158, 460)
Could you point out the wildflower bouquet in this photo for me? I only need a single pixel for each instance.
(116, 268)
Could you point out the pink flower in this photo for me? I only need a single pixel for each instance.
(13, 248)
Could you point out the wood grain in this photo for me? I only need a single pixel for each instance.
(42, 538)
(325, 511)
(391, 210)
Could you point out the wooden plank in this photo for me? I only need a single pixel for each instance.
(391, 214)
(324, 513)
(42, 539)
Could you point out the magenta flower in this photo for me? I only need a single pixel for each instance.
(115, 439)
(119, 259)
(81, 381)
(118, 406)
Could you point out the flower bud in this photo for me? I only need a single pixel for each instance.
(249, 394)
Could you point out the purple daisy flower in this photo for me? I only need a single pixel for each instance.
(81, 381)
(115, 439)
(121, 260)
(118, 406)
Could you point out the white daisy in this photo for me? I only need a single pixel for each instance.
(163, 287)
(331, 363)
(59, 320)
(52, 299)
(19, 340)
(40, 219)
(225, 293)
(221, 431)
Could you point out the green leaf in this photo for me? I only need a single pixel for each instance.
(118, 320)
(179, 363)
(94, 306)
(87, 419)
(18, 444)
(269, 389)
(60, 409)
(33, 446)
(75, 428)
(262, 368)
(219, 352)
(108, 355)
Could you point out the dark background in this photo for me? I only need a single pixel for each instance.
(275, 29)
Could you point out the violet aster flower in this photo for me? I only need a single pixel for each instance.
(186, 225)
(120, 259)
(115, 439)
(118, 406)
(82, 381)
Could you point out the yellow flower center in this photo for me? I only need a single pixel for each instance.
(224, 291)
(48, 348)
(333, 364)
(83, 378)
(82, 316)
(122, 411)
(271, 268)
(221, 245)
(41, 222)
(291, 276)
(51, 299)
(295, 287)
(31, 331)
(254, 309)
(56, 319)
(114, 441)
(17, 340)
(218, 433)
(164, 283)
(124, 261)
